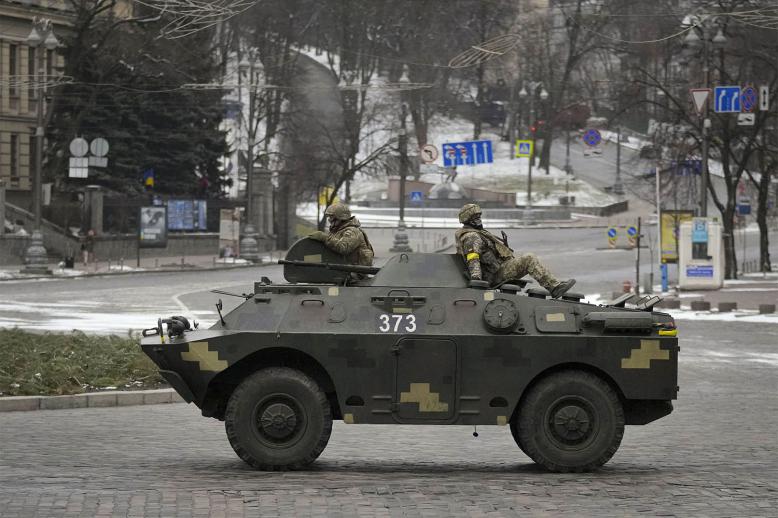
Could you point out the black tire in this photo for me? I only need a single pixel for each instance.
(571, 421)
(515, 433)
(278, 419)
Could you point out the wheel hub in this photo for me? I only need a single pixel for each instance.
(278, 421)
(571, 424)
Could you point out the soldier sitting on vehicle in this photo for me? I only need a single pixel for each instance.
(490, 259)
(345, 236)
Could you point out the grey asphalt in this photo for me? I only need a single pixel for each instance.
(714, 456)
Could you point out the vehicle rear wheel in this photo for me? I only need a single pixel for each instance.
(278, 419)
(571, 421)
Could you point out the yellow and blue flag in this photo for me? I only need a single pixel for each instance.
(148, 178)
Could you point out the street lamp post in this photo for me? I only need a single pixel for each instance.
(523, 94)
(249, 248)
(707, 43)
(618, 188)
(401, 239)
(41, 36)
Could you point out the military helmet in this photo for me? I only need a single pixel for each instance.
(467, 212)
(338, 211)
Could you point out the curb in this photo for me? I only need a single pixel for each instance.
(138, 272)
(89, 400)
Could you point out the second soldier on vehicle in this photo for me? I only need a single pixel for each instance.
(345, 236)
(490, 259)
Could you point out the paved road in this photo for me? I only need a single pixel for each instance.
(714, 456)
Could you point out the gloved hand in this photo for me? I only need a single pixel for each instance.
(318, 236)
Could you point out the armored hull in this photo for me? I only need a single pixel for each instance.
(419, 344)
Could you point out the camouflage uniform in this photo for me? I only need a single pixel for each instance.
(489, 259)
(346, 237)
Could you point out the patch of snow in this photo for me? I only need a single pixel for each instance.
(124, 268)
(232, 260)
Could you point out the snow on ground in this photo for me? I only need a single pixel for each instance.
(635, 143)
(6, 275)
(87, 317)
(505, 174)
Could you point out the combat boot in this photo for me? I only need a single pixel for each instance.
(562, 288)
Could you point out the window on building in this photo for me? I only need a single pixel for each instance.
(13, 67)
(14, 157)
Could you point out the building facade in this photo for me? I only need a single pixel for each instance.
(20, 81)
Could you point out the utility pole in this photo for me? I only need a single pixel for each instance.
(617, 187)
(401, 240)
(249, 248)
(41, 38)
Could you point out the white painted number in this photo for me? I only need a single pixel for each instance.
(386, 323)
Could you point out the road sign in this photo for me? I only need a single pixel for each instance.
(612, 232)
(429, 153)
(764, 98)
(746, 119)
(467, 153)
(592, 137)
(99, 147)
(700, 98)
(79, 167)
(524, 148)
(79, 147)
(748, 99)
(632, 236)
(632, 231)
(744, 208)
(726, 99)
(699, 230)
(417, 196)
(98, 161)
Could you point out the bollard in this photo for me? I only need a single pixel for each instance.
(670, 304)
(700, 305)
(726, 307)
(664, 277)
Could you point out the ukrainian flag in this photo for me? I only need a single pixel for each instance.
(148, 178)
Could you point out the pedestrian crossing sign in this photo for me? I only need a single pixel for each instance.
(524, 148)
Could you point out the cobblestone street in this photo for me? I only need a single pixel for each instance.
(714, 456)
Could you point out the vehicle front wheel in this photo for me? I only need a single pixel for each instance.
(571, 421)
(278, 419)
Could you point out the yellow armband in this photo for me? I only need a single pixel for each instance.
(472, 255)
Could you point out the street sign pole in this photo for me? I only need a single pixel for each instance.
(528, 205)
(617, 187)
(705, 145)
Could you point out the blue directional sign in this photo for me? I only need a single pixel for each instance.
(632, 231)
(611, 232)
(467, 153)
(592, 137)
(417, 196)
(726, 99)
(748, 99)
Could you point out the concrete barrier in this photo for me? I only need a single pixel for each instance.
(726, 307)
(670, 304)
(765, 309)
(700, 305)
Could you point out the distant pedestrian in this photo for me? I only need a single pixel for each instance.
(88, 248)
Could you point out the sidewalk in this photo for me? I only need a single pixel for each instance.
(147, 265)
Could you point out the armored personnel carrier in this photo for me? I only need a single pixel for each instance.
(417, 342)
